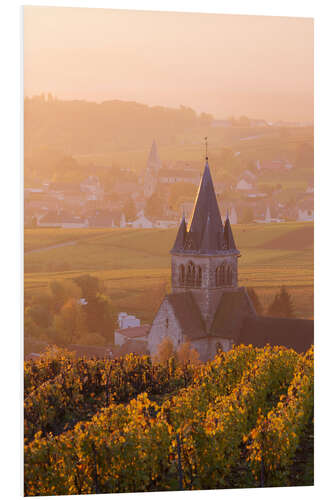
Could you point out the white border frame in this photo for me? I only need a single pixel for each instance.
(12, 254)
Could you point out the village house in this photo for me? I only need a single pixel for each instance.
(305, 211)
(130, 336)
(104, 218)
(171, 175)
(274, 165)
(165, 223)
(137, 333)
(62, 219)
(207, 307)
(92, 187)
(157, 174)
(142, 221)
(244, 184)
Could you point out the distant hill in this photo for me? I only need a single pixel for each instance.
(88, 127)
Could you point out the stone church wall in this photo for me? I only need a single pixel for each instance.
(165, 324)
(207, 347)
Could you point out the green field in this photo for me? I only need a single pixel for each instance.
(135, 263)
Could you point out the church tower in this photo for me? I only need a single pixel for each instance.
(153, 166)
(204, 255)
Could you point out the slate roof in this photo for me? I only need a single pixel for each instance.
(297, 334)
(229, 241)
(188, 314)
(234, 306)
(205, 235)
(236, 319)
(180, 238)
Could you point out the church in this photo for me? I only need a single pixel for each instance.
(207, 307)
(154, 165)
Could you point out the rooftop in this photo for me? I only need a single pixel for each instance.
(295, 333)
(206, 234)
(133, 332)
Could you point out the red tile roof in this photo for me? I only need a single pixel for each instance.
(135, 331)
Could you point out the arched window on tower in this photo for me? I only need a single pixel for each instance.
(190, 274)
(222, 275)
(219, 275)
(181, 274)
(199, 277)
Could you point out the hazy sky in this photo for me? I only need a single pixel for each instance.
(226, 65)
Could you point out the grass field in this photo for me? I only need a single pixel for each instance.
(135, 263)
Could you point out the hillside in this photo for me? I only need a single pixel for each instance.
(90, 127)
(120, 133)
(134, 263)
(242, 420)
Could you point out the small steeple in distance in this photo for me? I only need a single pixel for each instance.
(154, 162)
(206, 234)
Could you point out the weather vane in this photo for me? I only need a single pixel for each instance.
(206, 143)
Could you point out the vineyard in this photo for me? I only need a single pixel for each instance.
(244, 419)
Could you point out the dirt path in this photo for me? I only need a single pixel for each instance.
(66, 244)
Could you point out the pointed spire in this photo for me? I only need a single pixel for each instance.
(206, 206)
(210, 241)
(229, 241)
(181, 236)
(206, 234)
(153, 159)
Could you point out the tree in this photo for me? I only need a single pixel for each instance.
(31, 328)
(90, 286)
(100, 316)
(40, 314)
(187, 354)
(282, 305)
(92, 339)
(165, 351)
(255, 301)
(70, 323)
(154, 205)
(61, 292)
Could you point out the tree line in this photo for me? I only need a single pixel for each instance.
(74, 311)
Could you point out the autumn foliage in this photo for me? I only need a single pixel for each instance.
(236, 421)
